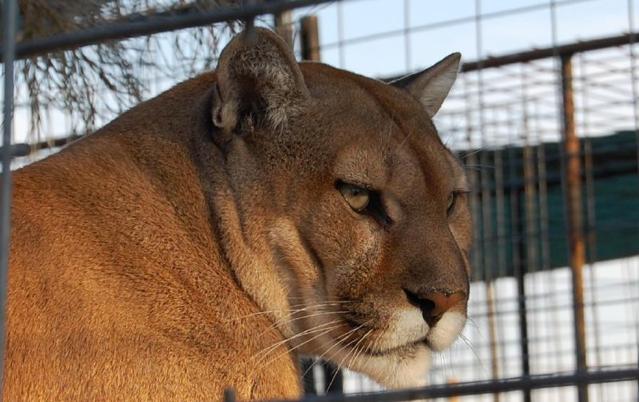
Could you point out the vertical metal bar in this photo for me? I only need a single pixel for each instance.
(635, 111)
(333, 378)
(510, 230)
(484, 177)
(543, 218)
(308, 376)
(524, 238)
(633, 74)
(407, 52)
(497, 347)
(9, 14)
(471, 159)
(309, 36)
(576, 241)
(493, 263)
(229, 395)
(340, 35)
(591, 217)
(492, 332)
(520, 270)
(518, 261)
(530, 220)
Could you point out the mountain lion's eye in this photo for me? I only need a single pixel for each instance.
(451, 202)
(365, 202)
(357, 197)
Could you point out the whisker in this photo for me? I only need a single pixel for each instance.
(361, 350)
(338, 342)
(322, 333)
(317, 328)
(479, 167)
(293, 309)
(287, 321)
(472, 321)
(468, 343)
(404, 141)
(339, 366)
(265, 312)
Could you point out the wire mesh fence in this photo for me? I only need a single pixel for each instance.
(551, 142)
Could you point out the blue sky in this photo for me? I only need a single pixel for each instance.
(576, 20)
(386, 55)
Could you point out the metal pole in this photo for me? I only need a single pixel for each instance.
(333, 379)
(149, 25)
(520, 269)
(533, 382)
(407, 51)
(229, 395)
(492, 332)
(9, 14)
(340, 35)
(310, 38)
(576, 241)
(308, 376)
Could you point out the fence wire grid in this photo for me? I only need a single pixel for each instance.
(545, 116)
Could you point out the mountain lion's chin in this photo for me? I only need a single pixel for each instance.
(407, 368)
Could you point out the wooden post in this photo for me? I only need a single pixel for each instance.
(576, 239)
(310, 38)
(453, 381)
(284, 26)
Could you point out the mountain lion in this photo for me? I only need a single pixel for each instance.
(208, 237)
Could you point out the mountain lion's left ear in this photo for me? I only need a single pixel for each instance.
(258, 82)
(432, 85)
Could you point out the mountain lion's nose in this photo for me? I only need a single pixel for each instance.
(434, 304)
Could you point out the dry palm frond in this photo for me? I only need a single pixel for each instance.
(94, 83)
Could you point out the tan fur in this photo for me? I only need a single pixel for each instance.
(171, 254)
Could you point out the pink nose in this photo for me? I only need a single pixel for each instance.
(434, 304)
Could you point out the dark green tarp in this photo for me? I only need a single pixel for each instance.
(513, 232)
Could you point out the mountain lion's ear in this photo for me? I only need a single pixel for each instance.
(258, 83)
(432, 85)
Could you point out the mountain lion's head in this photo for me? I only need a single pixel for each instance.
(348, 221)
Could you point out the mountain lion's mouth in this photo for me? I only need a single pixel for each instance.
(406, 348)
(365, 328)
(354, 323)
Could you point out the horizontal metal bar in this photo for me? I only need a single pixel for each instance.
(486, 387)
(543, 53)
(17, 150)
(413, 29)
(154, 24)
(596, 44)
(52, 143)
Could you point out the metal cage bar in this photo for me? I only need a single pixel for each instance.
(9, 14)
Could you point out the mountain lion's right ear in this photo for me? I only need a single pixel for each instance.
(258, 83)
(432, 85)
